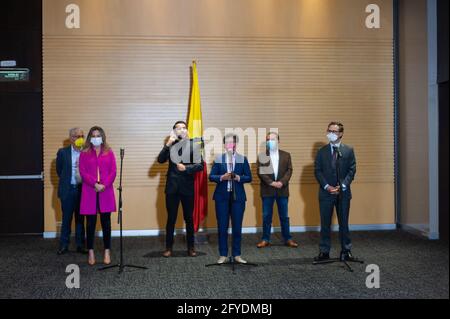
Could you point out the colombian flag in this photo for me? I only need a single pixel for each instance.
(195, 127)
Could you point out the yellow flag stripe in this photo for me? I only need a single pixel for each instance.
(195, 124)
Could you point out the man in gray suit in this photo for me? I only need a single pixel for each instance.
(335, 168)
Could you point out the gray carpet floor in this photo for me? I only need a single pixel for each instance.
(410, 267)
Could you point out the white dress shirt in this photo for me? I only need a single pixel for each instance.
(76, 178)
(231, 163)
(275, 159)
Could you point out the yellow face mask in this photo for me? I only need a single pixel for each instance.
(79, 142)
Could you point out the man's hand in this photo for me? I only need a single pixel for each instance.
(237, 178)
(277, 184)
(333, 190)
(181, 167)
(172, 138)
(99, 188)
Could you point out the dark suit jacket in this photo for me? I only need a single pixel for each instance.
(177, 181)
(265, 174)
(241, 168)
(64, 170)
(326, 174)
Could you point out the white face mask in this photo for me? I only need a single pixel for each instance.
(96, 141)
(332, 137)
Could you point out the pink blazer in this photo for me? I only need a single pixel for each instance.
(106, 162)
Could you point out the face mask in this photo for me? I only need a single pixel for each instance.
(229, 147)
(272, 145)
(96, 141)
(332, 137)
(79, 142)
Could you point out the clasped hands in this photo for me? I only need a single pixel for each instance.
(228, 177)
(99, 188)
(333, 190)
(277, 184)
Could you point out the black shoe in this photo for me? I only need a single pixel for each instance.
(322, 257)
(82, 250)
(62, 251)
(347, 256)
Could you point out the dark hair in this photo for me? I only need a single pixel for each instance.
(88, 145)
(341, 126)
(274, 133)
(179, 122)
(234, 136)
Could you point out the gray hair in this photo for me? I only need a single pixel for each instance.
(72, 131)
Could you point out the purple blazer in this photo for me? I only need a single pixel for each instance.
(106, 162)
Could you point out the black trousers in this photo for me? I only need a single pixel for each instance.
(105, 220)
(327, 206)
(172, 204)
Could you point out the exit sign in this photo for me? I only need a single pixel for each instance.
(14, 75)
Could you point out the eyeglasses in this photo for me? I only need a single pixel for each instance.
(335, 132)
(78, 136)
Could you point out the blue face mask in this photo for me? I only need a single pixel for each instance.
(271, 145)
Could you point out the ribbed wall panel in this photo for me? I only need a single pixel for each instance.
(136, 87)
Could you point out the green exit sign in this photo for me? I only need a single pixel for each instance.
(14, 75)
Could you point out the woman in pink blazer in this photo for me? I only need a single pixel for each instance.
(98, 171)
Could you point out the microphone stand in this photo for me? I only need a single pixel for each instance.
(121, 264)
(232, 198)
(338, 212)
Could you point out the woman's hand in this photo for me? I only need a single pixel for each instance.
(225, 177)
(99, 187)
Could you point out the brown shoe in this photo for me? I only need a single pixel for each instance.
(192, 252)
(263, 244)
(167, 253)
(291, 243)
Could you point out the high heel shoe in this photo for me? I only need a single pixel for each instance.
(91, 258)
(107, 257)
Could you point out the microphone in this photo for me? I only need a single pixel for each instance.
(122, 152)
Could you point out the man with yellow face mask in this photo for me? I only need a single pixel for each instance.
(69, 191)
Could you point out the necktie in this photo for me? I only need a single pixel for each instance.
(335, 155)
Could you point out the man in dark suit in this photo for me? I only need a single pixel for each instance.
(230, 172)
(335, 168)
(184, 156)
(69, 192)
(275, 170)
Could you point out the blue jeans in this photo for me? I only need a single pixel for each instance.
(282, 203)
(71, 205)
(223, 214)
